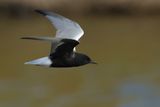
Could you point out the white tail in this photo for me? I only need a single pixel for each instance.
(44, 61)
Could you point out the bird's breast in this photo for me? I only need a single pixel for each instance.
(66, 61)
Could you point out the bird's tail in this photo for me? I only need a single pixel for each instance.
(39, 38)
(44, 61)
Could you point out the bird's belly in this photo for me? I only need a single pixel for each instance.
(64, 63)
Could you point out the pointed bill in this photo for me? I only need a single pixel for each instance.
(93, 62)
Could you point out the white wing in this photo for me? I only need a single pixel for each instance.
(65, 28)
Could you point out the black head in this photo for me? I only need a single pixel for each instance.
(84, 59)
(89, 61)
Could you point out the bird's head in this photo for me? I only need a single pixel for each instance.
(88, 60)
(82, 59)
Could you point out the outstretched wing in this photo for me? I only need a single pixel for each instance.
(58, 45)
(38, 38)
(66, 28)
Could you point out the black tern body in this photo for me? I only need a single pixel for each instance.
(63, 52)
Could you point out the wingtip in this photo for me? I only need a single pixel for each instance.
(25, 38)
(30, 38)
(40, 12)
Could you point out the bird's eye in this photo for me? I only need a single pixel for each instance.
(88, 59)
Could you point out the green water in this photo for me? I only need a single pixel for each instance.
(127, 50)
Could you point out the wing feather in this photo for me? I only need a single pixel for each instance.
(66, 28)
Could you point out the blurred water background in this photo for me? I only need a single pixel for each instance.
(121, 35)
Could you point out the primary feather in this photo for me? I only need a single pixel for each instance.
(66, 28)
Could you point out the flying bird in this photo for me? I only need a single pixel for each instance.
(63, 52)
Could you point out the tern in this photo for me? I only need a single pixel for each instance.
(63, 52)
